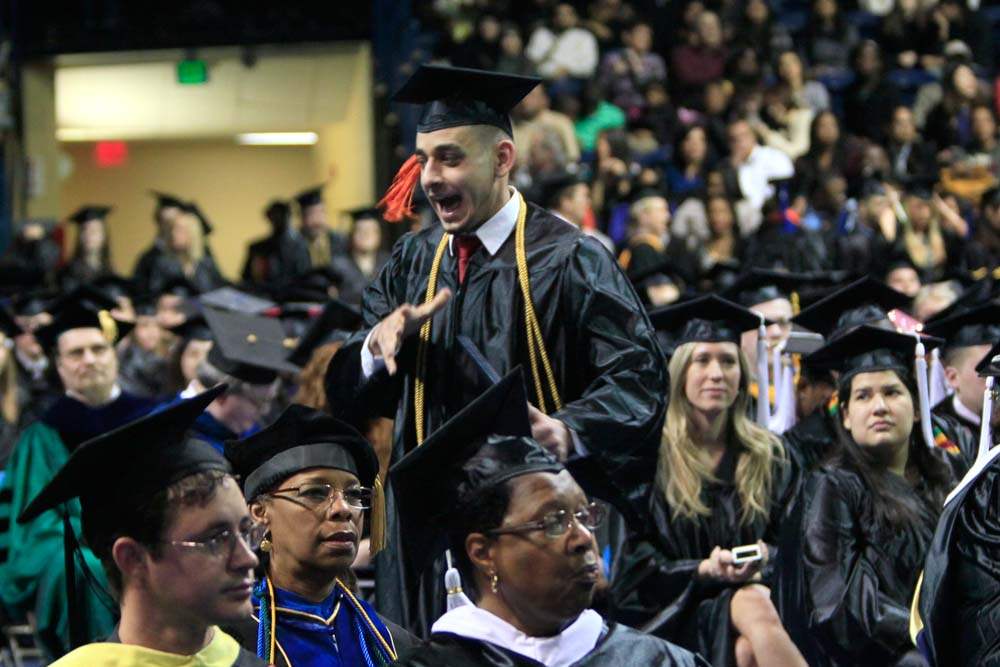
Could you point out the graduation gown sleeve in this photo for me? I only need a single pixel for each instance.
(33, 578)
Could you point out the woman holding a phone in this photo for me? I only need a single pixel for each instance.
(699, 576)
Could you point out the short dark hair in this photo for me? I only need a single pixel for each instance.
(144, 519)
(482, 512)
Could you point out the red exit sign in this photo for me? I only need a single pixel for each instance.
(110, 154)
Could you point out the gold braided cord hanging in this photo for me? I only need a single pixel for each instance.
(536, 342)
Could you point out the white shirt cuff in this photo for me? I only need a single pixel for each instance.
(370, 364)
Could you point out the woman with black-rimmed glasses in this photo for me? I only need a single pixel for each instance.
(310, 479)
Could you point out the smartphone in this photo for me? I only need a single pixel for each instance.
(748, 553)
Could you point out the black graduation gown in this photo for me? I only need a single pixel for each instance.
(846, 583)
(620, 645)
(166, 268)
(605, 359)
(142, 274)
(353, 280)
(275, 261)
(945, 410)
(959, 600)
(658, 578)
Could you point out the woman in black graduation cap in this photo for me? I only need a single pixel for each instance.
(521, 532)
(185, 255)
(92, 256)
(867, 518)
(722, 482)
(311, 479)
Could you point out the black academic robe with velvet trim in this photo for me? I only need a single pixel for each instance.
(606, 362)
(657, 583)
(620, 645)
(959, 601)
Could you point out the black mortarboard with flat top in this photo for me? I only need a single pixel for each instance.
(90, 212)
(166, 200)
(114, 286)
(248, 347)
(761, 285)
(974, 326)
(990, 365)
(706, 319)
(865, 301)
(193, 328)
(180, 286)
(84, 308)
(363, 212)
(868, 349)
(486, 444)
(457, 96)
(142, 457)
(335, 322)
(230, 298)
(309, 197)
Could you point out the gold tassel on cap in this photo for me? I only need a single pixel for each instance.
(109, 328)
(377, 533)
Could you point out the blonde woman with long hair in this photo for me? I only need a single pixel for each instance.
(722, 482)
(185, 255)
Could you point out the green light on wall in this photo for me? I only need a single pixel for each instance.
(192, 72)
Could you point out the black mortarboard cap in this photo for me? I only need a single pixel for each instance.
(114, 285)
(646, 193)
(278, 211)
(310, 197)
(721, 275)
(90, 212)
(363, 212)
(553, 186)
(761, 285)
(33, 302)
(706, 319)
(300, 438)
(337, 317)
(921, 187)
(142, 457)
(180, 286)
(144, 306)
(867, 349)
(486, 444)
(248, 347)
(79, 316)
(990, 365)
(165, 200)
(313, 286)
(195, 210)
(457, 96)
(193, 328)
(86, 295)
(865, 301)
(230, 298)
(975, 326)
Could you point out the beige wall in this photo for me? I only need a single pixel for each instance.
(231, 183)
(38, 105)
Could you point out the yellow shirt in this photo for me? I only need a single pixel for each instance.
(222, 651)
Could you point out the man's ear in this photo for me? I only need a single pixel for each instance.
(129, 557)
(505, 156)
(951, 376)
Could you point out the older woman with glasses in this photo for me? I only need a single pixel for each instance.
(309, 480)
(520, 530)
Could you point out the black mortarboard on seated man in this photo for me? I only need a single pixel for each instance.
(125, 466)
(81, 314)
(310, 197)
(706, 319)
(302, 438)
(974, 326)
(337, 320)
(90, 212)
(865, 301)
(452, 97)
(248, 347)
(486, 444)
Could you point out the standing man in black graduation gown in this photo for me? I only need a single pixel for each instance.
(275, 261)
(606, 367)
(322, 243)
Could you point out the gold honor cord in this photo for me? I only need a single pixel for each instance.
(536, 343)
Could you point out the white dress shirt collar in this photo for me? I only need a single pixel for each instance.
(964, 412)
(497, 229)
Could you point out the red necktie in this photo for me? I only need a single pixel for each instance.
(465, 245)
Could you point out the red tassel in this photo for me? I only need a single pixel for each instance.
(398, 200)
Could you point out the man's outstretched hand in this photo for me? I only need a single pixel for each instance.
(388, 335)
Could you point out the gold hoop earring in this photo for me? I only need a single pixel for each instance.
(494, 582)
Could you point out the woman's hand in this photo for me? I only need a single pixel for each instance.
(719, 566)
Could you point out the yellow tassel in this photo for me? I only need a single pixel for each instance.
(109, 328)
(377, 518)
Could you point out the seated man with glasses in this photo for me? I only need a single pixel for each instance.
(166, 519)
(310, 479)
(520, 531)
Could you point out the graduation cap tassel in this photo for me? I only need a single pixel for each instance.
(763, 382)
(939, 389)
(920, 370)
(397, 203)
(453, 585)
(985, 426)
(377, 538)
